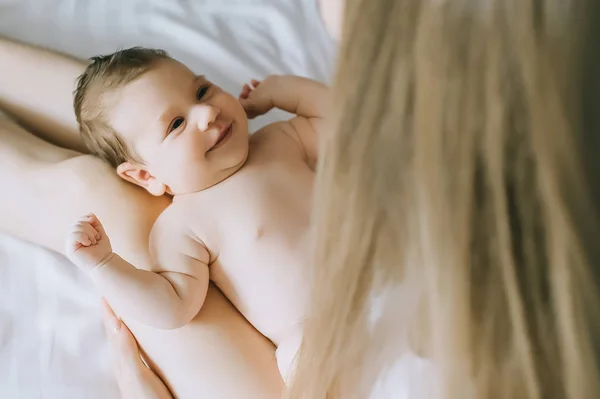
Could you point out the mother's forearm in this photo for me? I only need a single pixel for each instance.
(36, 87)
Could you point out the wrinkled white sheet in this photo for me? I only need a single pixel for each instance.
(51, 341)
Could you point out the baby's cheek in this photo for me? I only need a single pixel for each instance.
(189, 172)
(197, 145)
(231, 108)
(201, 175)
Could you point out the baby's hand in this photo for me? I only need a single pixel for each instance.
(88, 245)
(257, 98)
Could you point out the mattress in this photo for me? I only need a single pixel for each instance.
(52, 343)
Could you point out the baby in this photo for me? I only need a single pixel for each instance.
(241, 202)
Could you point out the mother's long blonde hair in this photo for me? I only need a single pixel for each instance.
(466, 157)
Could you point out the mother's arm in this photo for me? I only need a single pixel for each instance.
(46, 187)
(36, 87)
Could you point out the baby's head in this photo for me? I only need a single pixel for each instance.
(160, 125)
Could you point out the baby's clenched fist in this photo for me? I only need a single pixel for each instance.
(87, 244)
(257, 97)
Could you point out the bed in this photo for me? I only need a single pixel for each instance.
(51, 340)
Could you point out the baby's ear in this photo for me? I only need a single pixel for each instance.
(140, 176)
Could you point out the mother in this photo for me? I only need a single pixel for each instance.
(463, 166)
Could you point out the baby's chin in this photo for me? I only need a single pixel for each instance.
(226, 173)
(194, 185)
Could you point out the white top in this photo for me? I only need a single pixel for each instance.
(408, 376)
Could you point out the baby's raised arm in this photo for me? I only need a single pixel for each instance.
(303, 97)
(167, 298)
(295, 94)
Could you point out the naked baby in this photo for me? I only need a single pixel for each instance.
(241, 202)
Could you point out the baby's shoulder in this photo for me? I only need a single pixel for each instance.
(175, 232)
(170, 221)
(280, 136)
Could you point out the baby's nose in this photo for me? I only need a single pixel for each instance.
(205, 115)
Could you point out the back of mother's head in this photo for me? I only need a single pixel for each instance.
(464, 166)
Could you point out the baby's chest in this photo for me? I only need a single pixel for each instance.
(270, 205)
(265, 213)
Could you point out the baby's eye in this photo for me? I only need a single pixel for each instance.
(176, 123)
(201, 92)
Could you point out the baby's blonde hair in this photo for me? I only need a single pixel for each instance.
(466, 157)
(107, 73)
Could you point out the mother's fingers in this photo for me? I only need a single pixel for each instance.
(135, 379)
(126, 352)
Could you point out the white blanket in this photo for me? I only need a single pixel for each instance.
(51, 340)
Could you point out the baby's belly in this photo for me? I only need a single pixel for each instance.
(218, 347)
(271, 293)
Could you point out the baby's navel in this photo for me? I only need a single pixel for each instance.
(259, 232)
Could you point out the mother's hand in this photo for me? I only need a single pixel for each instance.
(135, 379)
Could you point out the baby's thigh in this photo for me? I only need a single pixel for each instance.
(218, 355)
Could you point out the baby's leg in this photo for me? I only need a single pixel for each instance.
(46, 188)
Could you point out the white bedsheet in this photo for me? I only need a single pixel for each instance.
(51, 341)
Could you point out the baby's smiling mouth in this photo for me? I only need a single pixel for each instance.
(224, 134)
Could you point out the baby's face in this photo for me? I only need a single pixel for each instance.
(190, 134)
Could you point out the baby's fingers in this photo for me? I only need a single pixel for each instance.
(89, 230)
(245, 92)
(93, 220)
(78, 239)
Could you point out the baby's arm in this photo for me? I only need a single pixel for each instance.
(297, 95)
(166, 299)
(303, 97)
